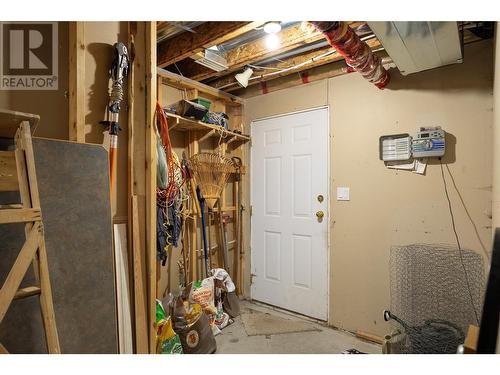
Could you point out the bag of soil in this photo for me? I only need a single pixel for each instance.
(192, 326)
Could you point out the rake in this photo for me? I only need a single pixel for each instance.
(211, 172)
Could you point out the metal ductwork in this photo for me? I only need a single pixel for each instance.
(418, 46)
(357, 53)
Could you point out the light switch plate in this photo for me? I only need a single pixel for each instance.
(343, 194)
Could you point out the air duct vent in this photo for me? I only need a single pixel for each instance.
(417, 46)
(211, 59)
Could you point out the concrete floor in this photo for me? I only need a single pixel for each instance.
(318, 339)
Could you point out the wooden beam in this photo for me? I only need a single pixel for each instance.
(303, 62)
(331, 70)
(150, 91)
(290, 38)
(182, 83)
(204, 36)
(77, 81)
(141, 333)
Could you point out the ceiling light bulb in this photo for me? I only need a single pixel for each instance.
(272, 42)
(272, 27)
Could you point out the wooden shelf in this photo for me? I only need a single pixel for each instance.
(180, 123)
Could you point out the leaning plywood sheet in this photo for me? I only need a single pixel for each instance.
(74, 195)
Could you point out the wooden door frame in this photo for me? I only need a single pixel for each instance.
(329, 200)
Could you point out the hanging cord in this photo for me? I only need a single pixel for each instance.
(468, 214)
(458, 242)
(222, 135)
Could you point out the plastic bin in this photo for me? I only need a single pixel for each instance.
(205, 103)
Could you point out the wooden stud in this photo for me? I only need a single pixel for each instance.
(151, 85)
(77, 81)
(204, 36)
(141, 334)
(137, 180)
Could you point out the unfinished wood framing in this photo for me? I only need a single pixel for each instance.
(202, 136)
(302, 63)
(142, 180)
(184, 83)
(249, 53)
(77, 81)
(151, 86)
(204, 36)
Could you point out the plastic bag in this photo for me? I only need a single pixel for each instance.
(230, 301)
(167, 341)
(202, 292)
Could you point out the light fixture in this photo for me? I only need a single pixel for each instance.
(272, 27)
(272, 41)
(243, 77)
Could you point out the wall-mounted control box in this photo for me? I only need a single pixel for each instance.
(428, 143)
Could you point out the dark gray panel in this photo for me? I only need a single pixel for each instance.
(74, 195)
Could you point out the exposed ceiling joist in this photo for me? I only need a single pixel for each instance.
(203, 36)
(318, 73)
(302, 62)
(290, 38)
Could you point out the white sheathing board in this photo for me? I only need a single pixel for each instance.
(123, 289)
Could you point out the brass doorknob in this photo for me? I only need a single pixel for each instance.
(320, 215)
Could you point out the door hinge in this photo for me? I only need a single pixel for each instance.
(252, 275)
(251, 210)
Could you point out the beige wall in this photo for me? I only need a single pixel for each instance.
(52, 106)
(389, 207)
(99, 40)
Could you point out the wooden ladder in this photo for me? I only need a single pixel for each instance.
(17, 168)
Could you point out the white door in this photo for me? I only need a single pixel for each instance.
(289, 242)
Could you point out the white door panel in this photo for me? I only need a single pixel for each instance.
(289, 244)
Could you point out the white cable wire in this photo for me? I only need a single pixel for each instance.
(311, 60)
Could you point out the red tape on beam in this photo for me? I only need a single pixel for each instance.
(304, 76)
(263, 86)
